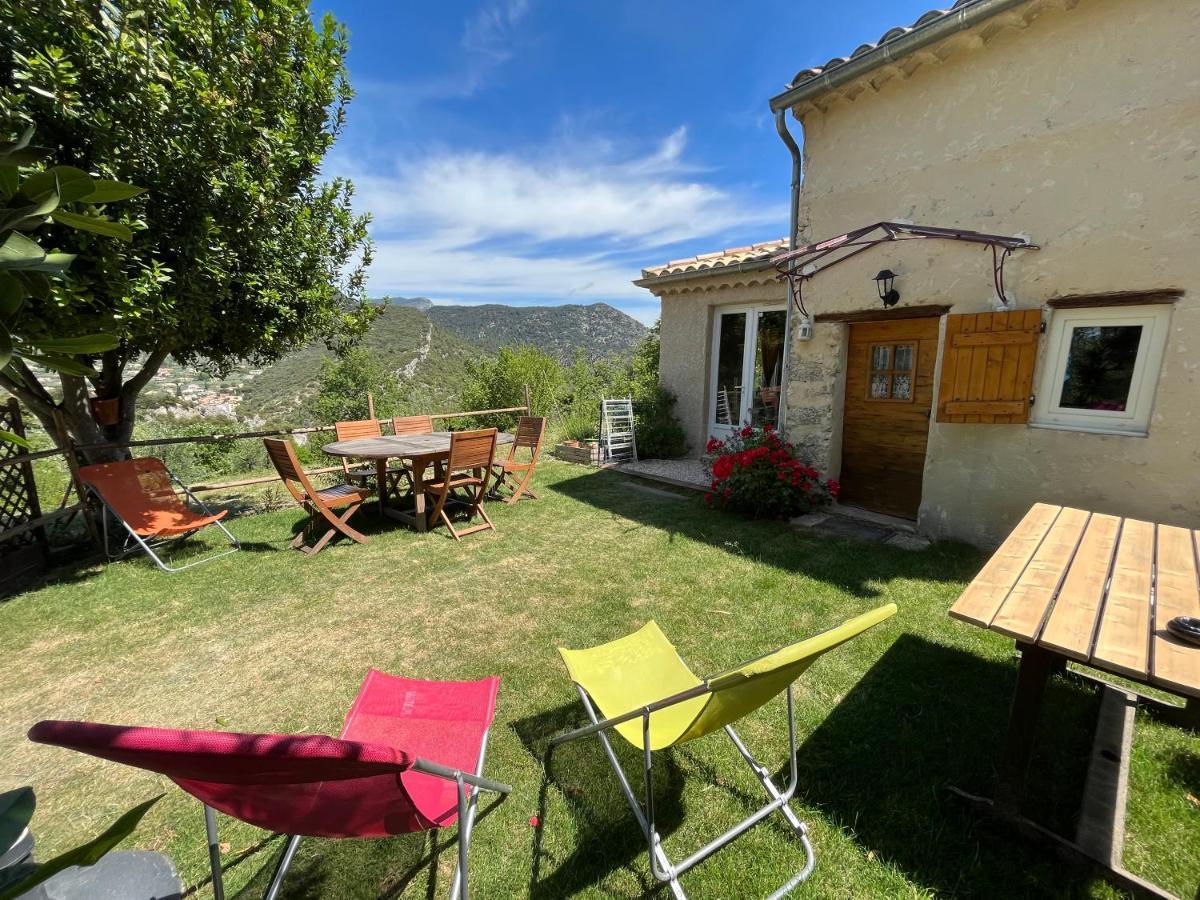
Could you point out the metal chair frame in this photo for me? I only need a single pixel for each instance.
(466, 822)
(660, 865)
(135, 541)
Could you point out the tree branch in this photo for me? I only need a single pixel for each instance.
(23, 394)
(31, 382)
(149, 369)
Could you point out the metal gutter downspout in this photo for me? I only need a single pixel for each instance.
(966, 16)
(793, 227)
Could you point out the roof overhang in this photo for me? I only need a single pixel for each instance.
(738, 260)
(897, 43)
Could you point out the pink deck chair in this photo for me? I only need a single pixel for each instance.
(376, 780)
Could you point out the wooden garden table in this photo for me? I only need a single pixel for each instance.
(1068, 584)
(421, 451)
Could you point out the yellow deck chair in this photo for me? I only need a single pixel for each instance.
(651, 698)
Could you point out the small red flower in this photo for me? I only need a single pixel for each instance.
(747, 431)
(713, 445)
(534, 822)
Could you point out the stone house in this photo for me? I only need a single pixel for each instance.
(1028, 171)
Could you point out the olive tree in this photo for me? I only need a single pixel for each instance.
(222, 110)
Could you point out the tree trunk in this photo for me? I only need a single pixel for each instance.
(107, 383)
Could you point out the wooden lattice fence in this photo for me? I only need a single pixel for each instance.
(21, 547)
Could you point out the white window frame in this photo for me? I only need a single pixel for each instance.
(748, 350)
(1135, 418)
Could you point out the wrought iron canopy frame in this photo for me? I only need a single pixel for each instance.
(801, 263)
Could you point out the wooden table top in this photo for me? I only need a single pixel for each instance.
(402, 446)
(1095, 588)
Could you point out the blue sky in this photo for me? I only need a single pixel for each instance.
(543, 151)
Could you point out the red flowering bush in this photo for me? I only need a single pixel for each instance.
(758, 473)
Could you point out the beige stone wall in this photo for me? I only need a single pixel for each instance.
(1079, 127)
(687, 339)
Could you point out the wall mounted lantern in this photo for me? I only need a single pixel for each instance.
(888, 294)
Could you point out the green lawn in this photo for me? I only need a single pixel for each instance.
(273, 641)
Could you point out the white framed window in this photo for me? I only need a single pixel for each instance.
(746, 368)
(1101, 367)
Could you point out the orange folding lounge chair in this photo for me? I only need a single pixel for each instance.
(139, 494)
(513, 474)
(335, 505)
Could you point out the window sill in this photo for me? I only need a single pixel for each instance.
(1089, 429)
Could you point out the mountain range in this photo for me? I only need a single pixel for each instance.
(598, 329)
(426, 344)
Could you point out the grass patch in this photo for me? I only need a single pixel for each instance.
(269, 640)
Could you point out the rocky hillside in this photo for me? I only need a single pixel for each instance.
(428, 359)
(598, 329)
(426, 344)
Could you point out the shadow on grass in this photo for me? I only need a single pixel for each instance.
(378, 869)
(927, 716)
(606, 835)
(847, 565)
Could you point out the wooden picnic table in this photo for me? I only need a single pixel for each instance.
(1068, 584)
(421, 451)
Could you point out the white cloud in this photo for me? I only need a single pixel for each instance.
(490, 33)
(575, 221)
(489, 39)
(647, 200)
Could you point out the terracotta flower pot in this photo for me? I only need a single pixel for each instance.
(106, 411)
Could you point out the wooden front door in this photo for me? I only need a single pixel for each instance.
(889, 395)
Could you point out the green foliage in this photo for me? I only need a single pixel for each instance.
(206, 461)
(32, 198)
(344, 384)
(570, 396)
(85, 855)
(758, 473)
(600, 330)
(659, 434)
(223, 110)
(499, 383)
(429, 362)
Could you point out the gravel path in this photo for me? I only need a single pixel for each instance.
(688, 471)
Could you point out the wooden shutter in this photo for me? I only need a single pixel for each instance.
(987, 367)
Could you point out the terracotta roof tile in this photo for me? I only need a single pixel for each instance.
(890, 35)
(718, 259)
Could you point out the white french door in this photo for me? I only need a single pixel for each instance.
(746, 375)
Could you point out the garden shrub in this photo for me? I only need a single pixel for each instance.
(500, 383)
(758, 473)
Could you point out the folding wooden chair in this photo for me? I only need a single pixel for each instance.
(513, 474)
(140, 494)
(412, 425)
(368, 428)
(468, 470)
(335, 505)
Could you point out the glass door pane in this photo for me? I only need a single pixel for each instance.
(730, 364)
(768, 367)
